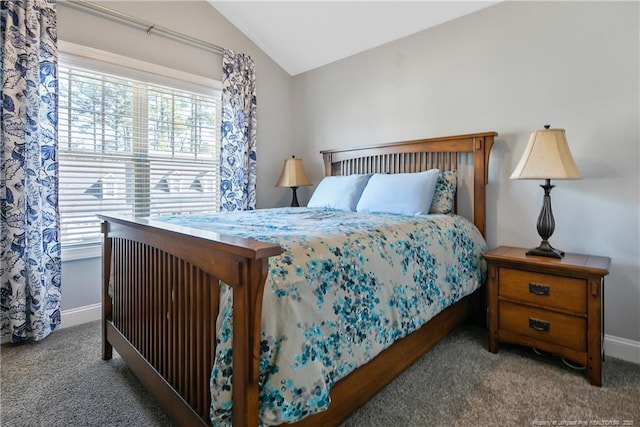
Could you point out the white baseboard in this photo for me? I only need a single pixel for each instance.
(80, 315)
(622, 348)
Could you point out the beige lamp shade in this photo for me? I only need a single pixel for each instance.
(547, 156)
(293, 174)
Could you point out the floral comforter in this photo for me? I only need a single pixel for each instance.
(346, 286)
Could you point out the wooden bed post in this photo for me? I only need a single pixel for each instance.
(247, 326)
(326, 157)
(482, 146)
(107, 348)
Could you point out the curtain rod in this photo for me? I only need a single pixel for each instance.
(146, 25)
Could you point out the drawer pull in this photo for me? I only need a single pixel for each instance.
(538, 289)
(539, 325)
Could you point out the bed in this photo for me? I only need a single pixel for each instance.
(162, 299)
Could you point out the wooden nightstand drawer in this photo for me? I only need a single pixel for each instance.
(553, 327)
(565, 293)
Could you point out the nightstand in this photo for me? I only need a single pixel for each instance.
(554, 305)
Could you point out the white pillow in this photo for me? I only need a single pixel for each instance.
(400, 193)
(338, 192)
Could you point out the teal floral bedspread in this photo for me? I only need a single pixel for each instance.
(346, 286)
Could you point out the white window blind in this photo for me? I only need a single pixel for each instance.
(130, 147)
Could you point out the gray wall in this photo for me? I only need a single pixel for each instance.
(81, 279)
(511, 68)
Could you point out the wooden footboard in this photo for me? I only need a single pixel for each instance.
(160, 306)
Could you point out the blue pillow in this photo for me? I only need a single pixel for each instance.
(401, 193)
(338, 192)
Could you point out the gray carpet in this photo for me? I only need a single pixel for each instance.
(63, 382)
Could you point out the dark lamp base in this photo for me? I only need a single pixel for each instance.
(545, 226)
(545, 249)
(294, 200)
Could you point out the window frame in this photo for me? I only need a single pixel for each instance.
(71, 54)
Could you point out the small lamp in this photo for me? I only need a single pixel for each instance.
(547, 157)
(293, 175)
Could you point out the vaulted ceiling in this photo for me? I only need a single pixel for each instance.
(303, 35)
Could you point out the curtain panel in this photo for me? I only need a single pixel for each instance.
(30, 263)
(238, 142)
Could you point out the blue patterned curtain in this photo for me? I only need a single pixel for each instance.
(238, 151)
(29, 245)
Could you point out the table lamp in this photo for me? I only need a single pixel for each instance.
(547, 157)
(293, 175)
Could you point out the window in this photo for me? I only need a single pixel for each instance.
(129, 146)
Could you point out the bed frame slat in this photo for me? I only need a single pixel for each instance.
(402, 162)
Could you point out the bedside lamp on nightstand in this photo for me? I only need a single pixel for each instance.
(293, 175)
(547, 157)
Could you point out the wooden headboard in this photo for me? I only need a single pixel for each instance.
(445, 153)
